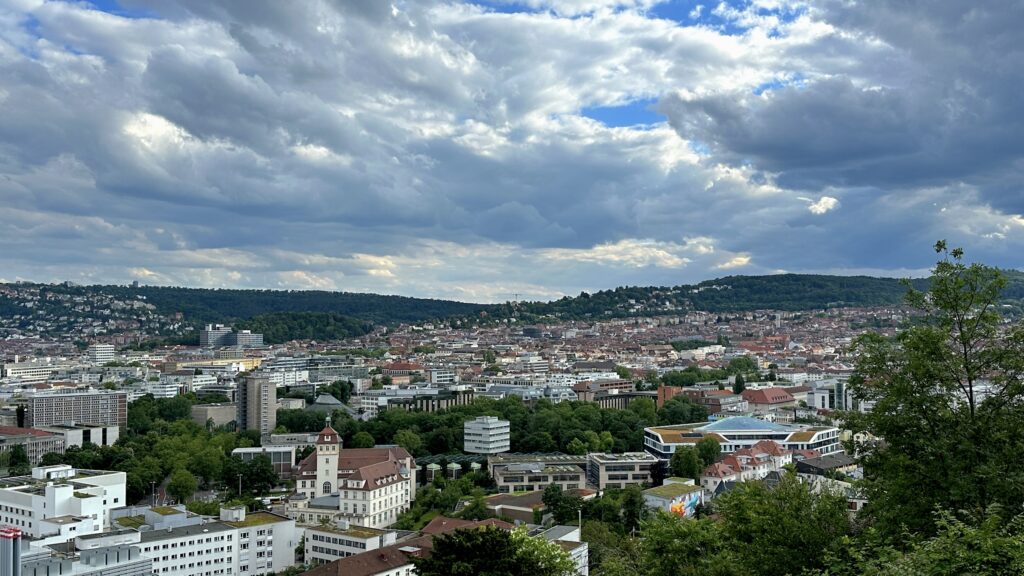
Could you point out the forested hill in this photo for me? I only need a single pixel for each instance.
(739, 293)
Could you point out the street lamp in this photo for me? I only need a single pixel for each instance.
(152, 487)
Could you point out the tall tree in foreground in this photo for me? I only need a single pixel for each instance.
(946, 397)
(493, 551)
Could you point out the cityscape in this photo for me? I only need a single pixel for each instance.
(511, 287)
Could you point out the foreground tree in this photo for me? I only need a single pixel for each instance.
(494, 552)
(182, 485)
(786, 529)
(946, 397)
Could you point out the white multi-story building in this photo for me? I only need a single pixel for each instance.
(58, 503)
(105, 407)
(366, 486)
(486, 435)
(100, 354)
(238, 544)
(328, 542)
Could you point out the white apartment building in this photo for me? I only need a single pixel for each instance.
(58, 503)
(38, 371)
(486, 435)
(100, 354)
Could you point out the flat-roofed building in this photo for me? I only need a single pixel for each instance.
(63, 406)
(619, 470)
(281, 457)
(486, 435)
(216, 414)
(327, 543)
(738, 432)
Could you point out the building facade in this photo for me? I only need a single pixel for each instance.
(738, 432)
(257, 404)
(487, 435)
(619, 470)
(77, 406)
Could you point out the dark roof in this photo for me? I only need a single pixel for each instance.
(829, 462)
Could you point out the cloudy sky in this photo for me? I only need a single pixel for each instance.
(480, 150)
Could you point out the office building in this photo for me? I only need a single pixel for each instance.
(257, 404)
(219, 336)
(486, 435)
(214, 336)
(282, 458)
(100, 354)
(213, 415)
(738, 432)
(328, 542)
(619, 470)
(55, 407)
(57, 503)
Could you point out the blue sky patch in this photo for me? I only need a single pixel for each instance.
(115, 7)
(637, 112)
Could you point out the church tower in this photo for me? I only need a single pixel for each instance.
(328, 450)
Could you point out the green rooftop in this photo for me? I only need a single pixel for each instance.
(165, 510)
(131, 521)
(672, 490)
(255, 519)
(356, 531)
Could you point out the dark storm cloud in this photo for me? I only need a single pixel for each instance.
(440, 148)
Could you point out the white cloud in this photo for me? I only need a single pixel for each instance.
(822, 205)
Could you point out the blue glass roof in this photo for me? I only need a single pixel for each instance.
(743, 423)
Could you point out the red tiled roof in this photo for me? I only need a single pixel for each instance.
(767, 396)
(15, 431)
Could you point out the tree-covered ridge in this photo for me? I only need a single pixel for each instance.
(281, 327)
(201, 305)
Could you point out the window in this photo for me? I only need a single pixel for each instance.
(327, 487)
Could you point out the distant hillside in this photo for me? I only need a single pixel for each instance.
(282, 327)
(201, 305)
(791, 292)
(282, 315)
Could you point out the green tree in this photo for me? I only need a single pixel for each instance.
(680, 410)
(674, 546)
(624, 373)
(739, 384)
(685, 463)
(946, 396)
(363, 440)
(409, 440)
(495, 552)
(742, 365)
(633, 508)
(18, 464)
(782, 530)
(576, 446)
(708, 449)
(182, 485)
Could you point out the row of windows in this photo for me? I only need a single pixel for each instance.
(339, 541)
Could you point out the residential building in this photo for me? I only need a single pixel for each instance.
(753, 463)
(738, 432)
(100, 354)
(57, 503)
(486, 435)
(619, 470)
(62, 406)
(257, 404)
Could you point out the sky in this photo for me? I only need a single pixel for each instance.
(504, 149)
